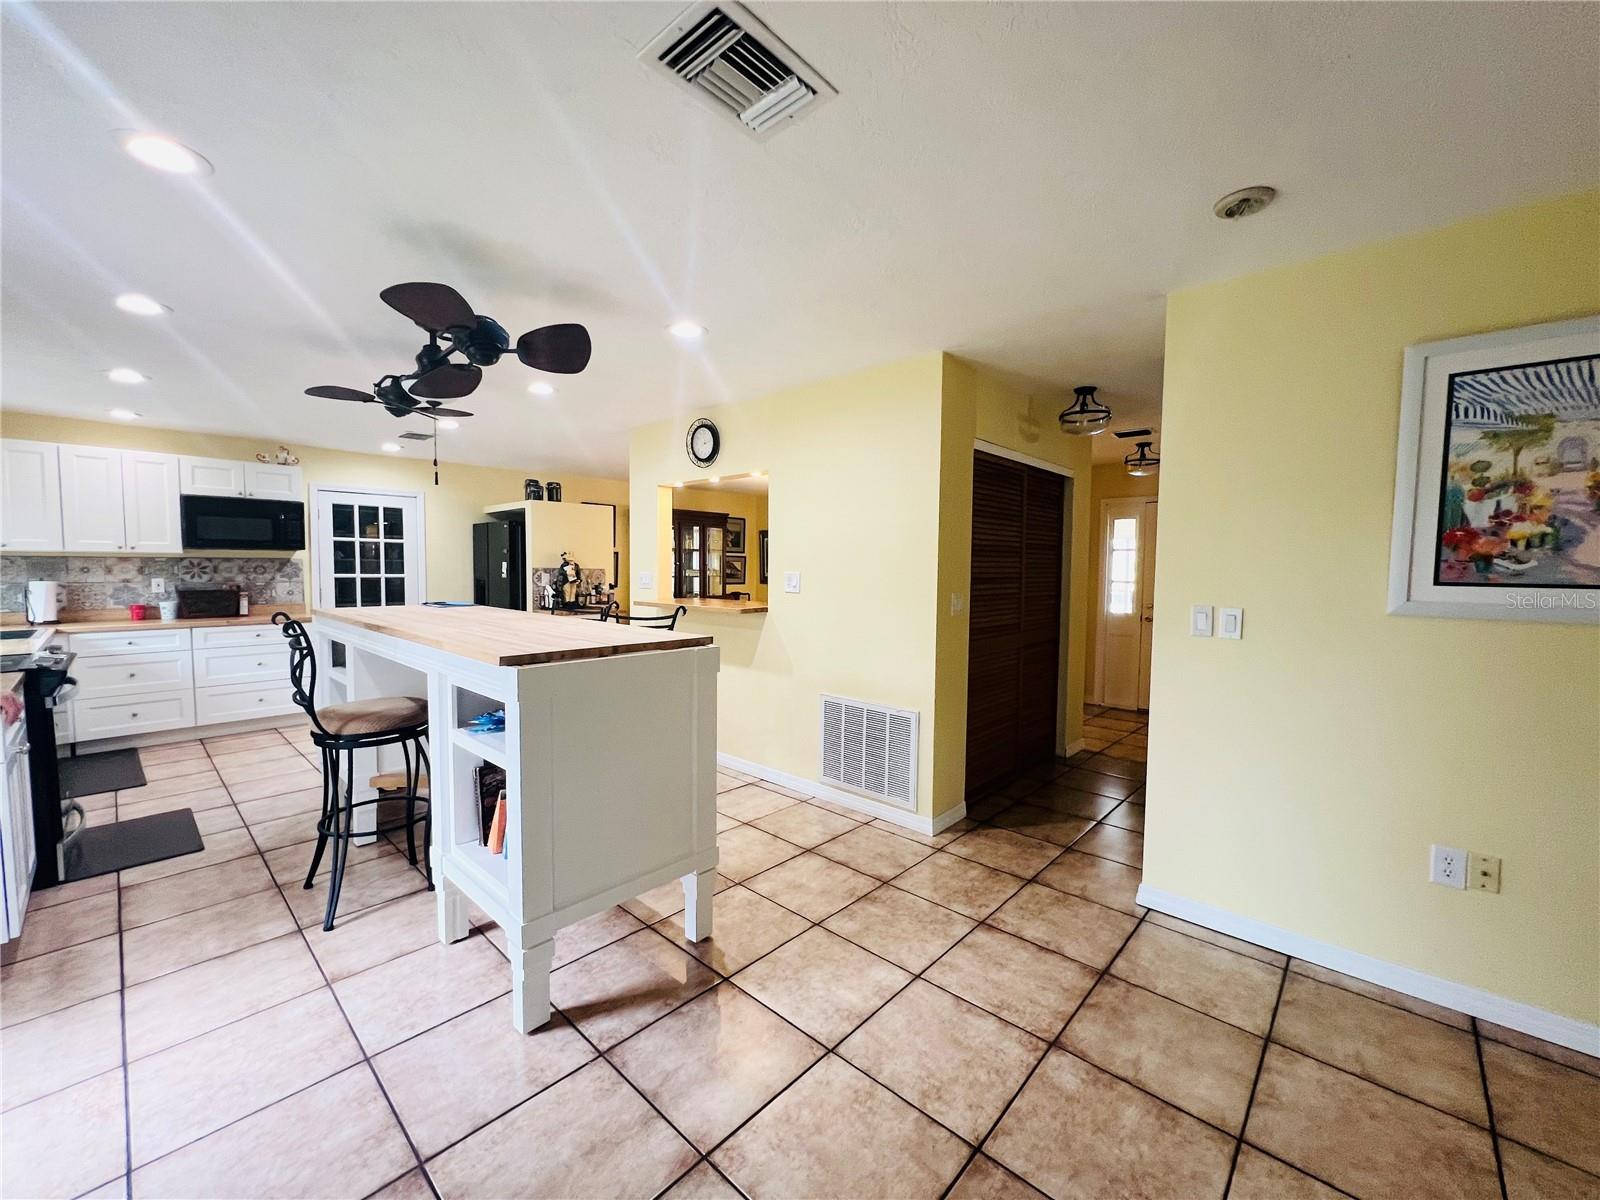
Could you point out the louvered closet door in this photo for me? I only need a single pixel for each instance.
(1041, 616)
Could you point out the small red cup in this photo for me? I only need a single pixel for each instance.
(136, 612)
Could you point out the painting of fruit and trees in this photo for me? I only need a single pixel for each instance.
(1520, 501)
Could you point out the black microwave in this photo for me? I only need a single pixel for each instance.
(236, 523)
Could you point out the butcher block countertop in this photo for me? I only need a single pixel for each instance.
(116, 620)
(712, 605)
(504, 638)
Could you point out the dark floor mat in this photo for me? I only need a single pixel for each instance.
(92, 774)
(100, 849)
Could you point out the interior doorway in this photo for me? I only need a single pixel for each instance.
(1014, 633)
(1127, 602)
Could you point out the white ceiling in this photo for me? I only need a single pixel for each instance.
(1020, 184)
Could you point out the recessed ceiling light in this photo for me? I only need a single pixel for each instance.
(687, 331)
(125, 375)
(540, 388)
(124, 414)
(164, 154)
(390, 447)
(447, 424)
(141, 305)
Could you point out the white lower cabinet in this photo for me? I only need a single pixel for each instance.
(120, 716)
(18, 855)
(240, 702)
(134, 674)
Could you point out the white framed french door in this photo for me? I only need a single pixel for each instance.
(1127, 601)
(369, 548)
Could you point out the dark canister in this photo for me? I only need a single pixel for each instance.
(531, 490)
(552, 490)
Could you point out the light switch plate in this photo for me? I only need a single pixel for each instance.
(791, 581)
(1200, 621)
(1230, 623)
(645, 581)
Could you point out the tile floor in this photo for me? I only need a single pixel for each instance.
(982, 1013)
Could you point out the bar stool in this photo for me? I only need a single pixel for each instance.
(343, 729)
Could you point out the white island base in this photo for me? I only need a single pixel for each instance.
(609, 752)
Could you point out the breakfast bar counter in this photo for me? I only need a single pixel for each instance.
(609, 753)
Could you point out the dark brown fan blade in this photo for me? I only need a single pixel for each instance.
(562, 349)
(342, 393)
(448, 382)
(434, 306)
(440, 412)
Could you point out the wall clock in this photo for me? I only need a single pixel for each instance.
(704, 443)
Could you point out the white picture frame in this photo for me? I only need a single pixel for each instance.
(1420, 464)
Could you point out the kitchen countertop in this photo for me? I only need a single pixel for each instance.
(504, 638)
(12, 680)
(725, 606)
(115, 620)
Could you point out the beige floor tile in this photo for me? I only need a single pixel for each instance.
(954, 1061)
(838, 810)
(233, 743)
(173, 768)
(574, 941)
(744, 926)
(223, 847)
(288, 804)
(1237, 945)
(1364, 1139)
(712, 1063)
(178, 942)
(702, 1183)
(190, 784)
(1110, 764)
(375, 935)
(49, 982)
(1410, 1054)
(61, 1048)
(1228, 986)
(172, 895)
(1204, 1066)
(183, 1004)
(725, 823)
(1127, 816)
(172, 752)
(1119, 845)
(747, 851)
(987, 808)
(195, 1088)
(794, 1147)
(275, 784)
(751, 801)
(804, 824)
(297, 830)
(1070, 925)
(1123, 1142)
(813, 886)
(726, 782)
(619, 989)
(216, 820)
(129, 807)
(1542, 1104)
(62, 925)
(1074, 802)
(824, 984)
(1004, 850)
(395, 1000)
(457, 1076)
(907, 930)
(985, 1179)
(413, 1185)
(595, 1137)
(1534, 1176)
(932, 840)
(1259, 1176)
(254, 764)
(337, 1138)
(1101, 784)
(1575, 1059)
(666, 900)
(66, 1143)
(1015, 979)
(1042, 824)
(874, 852)
(67, 892)
(371, 881)
(1099, 879)
(1399, 999)
(968, 887)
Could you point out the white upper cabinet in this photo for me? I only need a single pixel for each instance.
(211, 476)
(270, 481)
(92, 500)
(150, 502)
(30, 497)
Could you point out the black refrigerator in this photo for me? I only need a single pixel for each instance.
(499, 574)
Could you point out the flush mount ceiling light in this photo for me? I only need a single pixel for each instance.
(1142, 461)
(687, 331)
(390, 448)
(125, 375)
(540, 388)
(141, 305)
(163, 154)
(1245, 202)
(123, 414)
(1085, 416)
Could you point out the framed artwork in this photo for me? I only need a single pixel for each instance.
(735, 536)
(761, 538)
(733, 569)
(1497, 479)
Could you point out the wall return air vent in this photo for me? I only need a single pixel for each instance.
(871, 749)
(732, 62)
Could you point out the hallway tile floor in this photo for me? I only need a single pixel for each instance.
(986, 1012)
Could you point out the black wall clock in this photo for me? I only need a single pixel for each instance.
(704, 443)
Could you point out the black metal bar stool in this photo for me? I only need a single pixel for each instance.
(343, 729)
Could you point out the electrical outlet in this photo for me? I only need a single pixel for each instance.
(645, 581)
(1447, 866)
(158, 587)
(1483, 872)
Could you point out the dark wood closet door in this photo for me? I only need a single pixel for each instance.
(1014, 630)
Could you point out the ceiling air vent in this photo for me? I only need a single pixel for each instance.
(870, 748)
(737, 65)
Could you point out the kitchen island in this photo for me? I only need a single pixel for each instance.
(609, 753)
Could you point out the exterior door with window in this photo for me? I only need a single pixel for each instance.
(369, 549)
(1127, 572)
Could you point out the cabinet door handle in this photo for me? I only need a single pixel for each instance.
(133, 674)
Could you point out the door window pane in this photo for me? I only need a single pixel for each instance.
(1123, 565)
(371, 593)
(370, 564)
(393, 525)
(344, 520)
(1120, 599)
(394, 591)
(344, 557)
(394, 558)
(1124, 533)
(369, 520)
(344, 593)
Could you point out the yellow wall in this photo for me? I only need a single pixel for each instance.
(853, 469)
(450, 510)
(752, 506)
(1109, 481)
(1298, 776)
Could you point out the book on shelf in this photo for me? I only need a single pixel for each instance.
(488, 785)
(497, 828)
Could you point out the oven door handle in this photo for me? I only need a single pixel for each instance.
(62, 694)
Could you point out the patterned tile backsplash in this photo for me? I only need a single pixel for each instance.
(96, 583)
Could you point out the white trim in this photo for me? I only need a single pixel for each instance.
(822, 791)
(1017, 456)
(1073, 748)
(1513, 1014)
(421, 530)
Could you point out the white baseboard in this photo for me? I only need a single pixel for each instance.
(822, 791)
(1513, 1014)
(1072, 748)
(188, 733)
